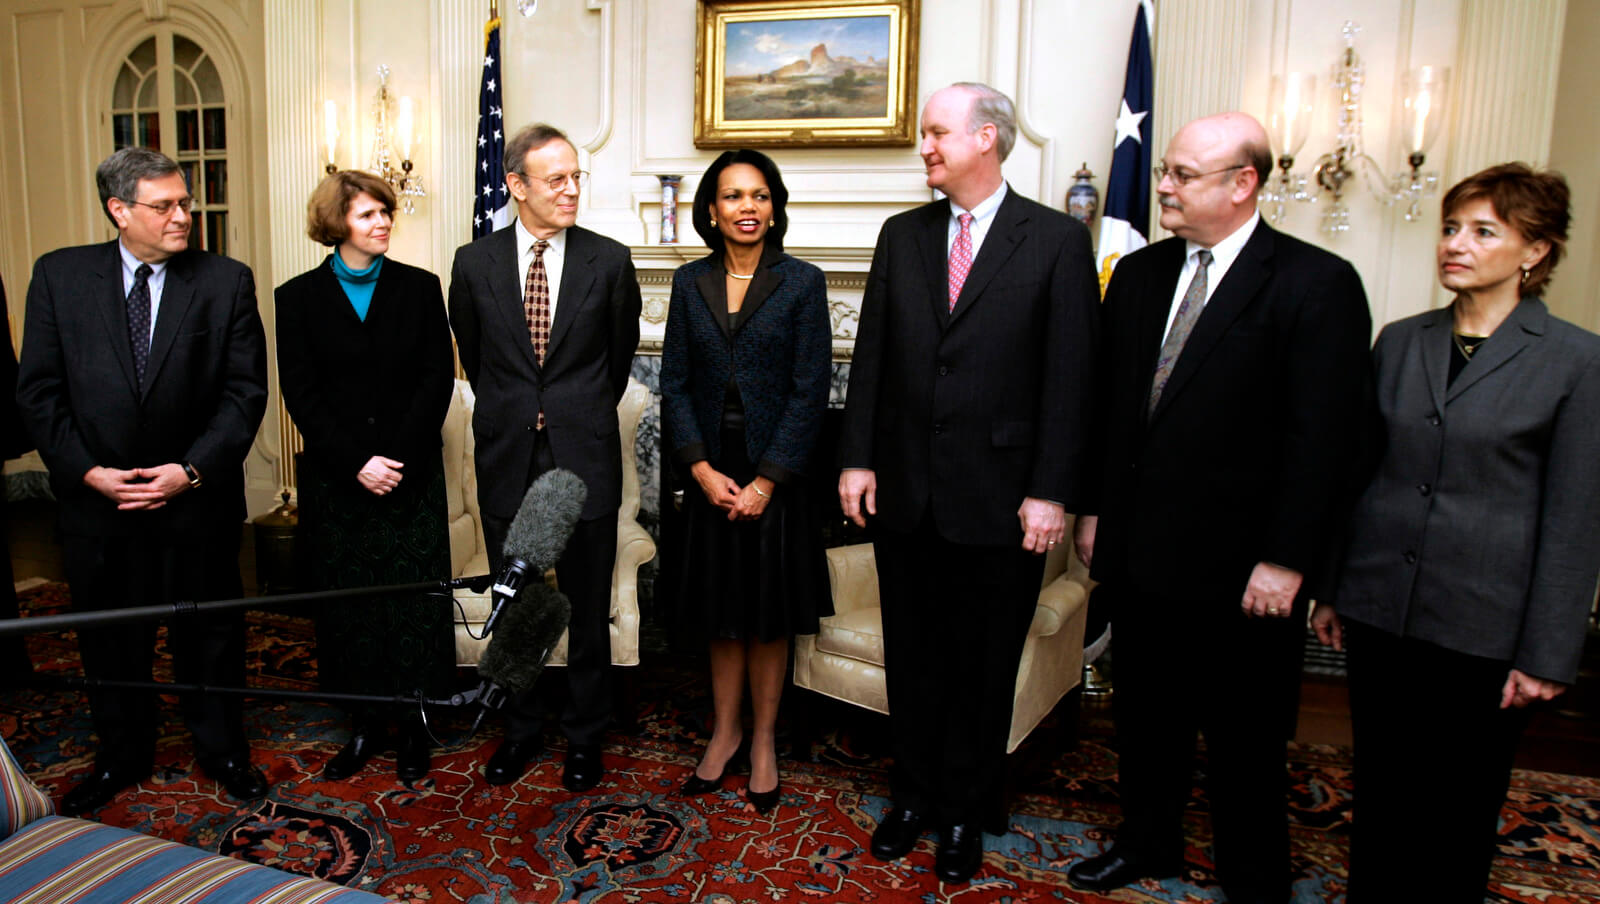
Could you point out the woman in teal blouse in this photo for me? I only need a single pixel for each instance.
(367, 369)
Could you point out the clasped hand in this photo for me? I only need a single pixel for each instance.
(138, 489)
(744, 503)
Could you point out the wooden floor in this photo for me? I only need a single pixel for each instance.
(1564, 737)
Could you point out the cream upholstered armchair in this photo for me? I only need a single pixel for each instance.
(844, 659)
(469, 555)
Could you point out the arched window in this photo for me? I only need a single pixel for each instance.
(168, 96)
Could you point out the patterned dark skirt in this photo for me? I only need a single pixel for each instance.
(351, 538)
(750, 580)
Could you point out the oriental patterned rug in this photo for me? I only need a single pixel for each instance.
(454, 838)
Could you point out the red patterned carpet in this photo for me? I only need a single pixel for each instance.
(454, 838)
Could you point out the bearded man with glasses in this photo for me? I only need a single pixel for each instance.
(546, 318)
(142, 381)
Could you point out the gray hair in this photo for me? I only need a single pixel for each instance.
(530, 138)
(119, 175)
(991, 106)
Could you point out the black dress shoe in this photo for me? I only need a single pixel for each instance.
(897, 834)
(97, 790)
(352, 757)
(236, 776)
(583, 769)
(510, 760)
(960, 852)
(414, 758)
(1114, 869)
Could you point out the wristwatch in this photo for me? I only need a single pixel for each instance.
(193, 475)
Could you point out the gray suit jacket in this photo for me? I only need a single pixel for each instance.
(1480, 530)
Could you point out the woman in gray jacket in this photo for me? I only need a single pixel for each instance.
(1473, 552)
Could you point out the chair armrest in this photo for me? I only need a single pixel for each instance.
(853, 576)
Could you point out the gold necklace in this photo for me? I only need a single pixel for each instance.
(1461, 344)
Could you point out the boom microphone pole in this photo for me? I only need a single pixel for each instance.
(182, 608)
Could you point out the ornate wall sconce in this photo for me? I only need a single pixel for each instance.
(394, 134)
(1293, 102)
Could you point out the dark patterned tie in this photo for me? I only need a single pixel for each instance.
(1188, 312)
(536, 307)
(139, 319)
(960, 258)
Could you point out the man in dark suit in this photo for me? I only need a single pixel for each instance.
(1235, 363)
(546, 317)
(142, 381)
(964, 437)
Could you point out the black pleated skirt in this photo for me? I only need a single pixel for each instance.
(756, 580)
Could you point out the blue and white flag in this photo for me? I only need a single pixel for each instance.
(491, 200)
(1125, 225)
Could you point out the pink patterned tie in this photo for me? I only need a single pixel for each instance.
(960, 258)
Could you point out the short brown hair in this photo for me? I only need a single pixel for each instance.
(330, 204)
(530, 138)
(1536, 204)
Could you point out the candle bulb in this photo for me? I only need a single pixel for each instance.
(330, 129)
(405, 122)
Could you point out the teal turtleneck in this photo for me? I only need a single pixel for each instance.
(358, 284)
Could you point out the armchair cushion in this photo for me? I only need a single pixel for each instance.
(20, 801)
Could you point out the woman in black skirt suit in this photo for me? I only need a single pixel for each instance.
(744, 385)
(366, 366)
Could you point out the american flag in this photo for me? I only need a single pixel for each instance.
(1125, 226)
(491, 201)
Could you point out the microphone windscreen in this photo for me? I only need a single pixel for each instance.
(524, 637)
(545, 520)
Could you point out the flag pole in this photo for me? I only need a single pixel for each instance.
(494, 9)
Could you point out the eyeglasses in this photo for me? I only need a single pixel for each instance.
(164, 208)
(558, 182)
(1184, 177)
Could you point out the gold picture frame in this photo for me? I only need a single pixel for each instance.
(805, 73)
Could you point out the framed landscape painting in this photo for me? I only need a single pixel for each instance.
(792, 73)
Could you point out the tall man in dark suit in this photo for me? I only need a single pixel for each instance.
(964, 439)
(1234, 369)
(546, 317)
(142, 381)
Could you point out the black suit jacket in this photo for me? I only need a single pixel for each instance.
(204, 392)
(362, 388)
(585, 372)
(1250, 455)
(969, 412)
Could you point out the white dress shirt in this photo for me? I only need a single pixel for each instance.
(554, 257)
(157, 281)
(1223, 254)
(982, 219)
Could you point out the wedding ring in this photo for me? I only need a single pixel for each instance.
(1272, 610)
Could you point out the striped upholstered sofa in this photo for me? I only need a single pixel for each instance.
(46, 859)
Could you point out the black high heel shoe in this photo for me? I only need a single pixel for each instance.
(361, 747)
(738, 763)
(764, 801)
(413, 755)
